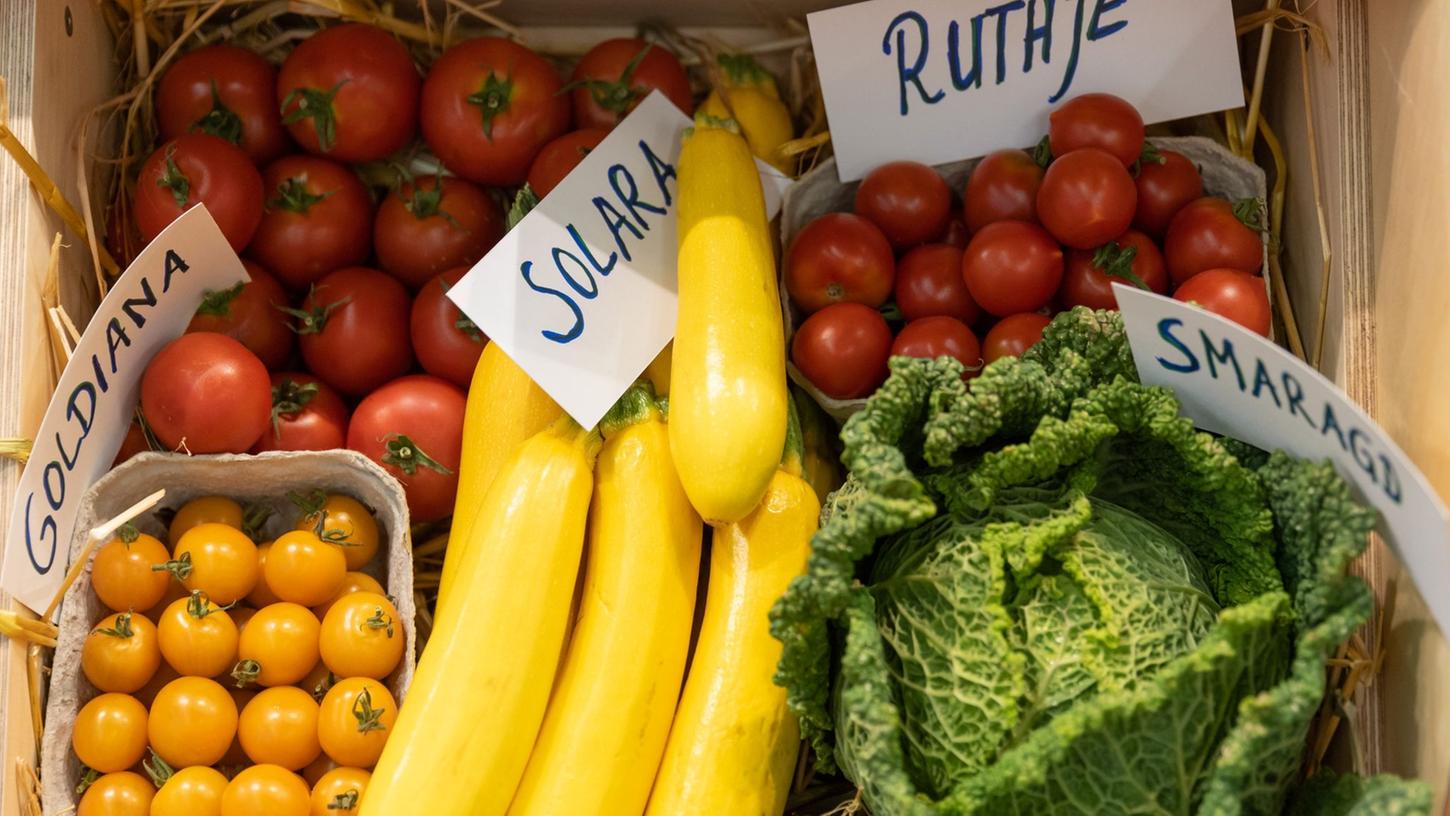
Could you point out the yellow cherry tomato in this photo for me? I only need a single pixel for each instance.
(218, 560)
(241, 616)
(355, 720)
(354, 582)
(174, 590)
(318, 681)
(164, 675)
(279, 727)
(262, 594)
(266, 790)
(339, 791)
(278, 646)
(193, 721)
(362, 636)
(121, 653)
(235, 755)
(198, 638)
(123, 575)
(118, 794)
(341, 520)
(110, 733)
(319, 768)
(194, 791)
(204, 510)
(304, 569)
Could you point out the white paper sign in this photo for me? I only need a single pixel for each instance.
(1234, 382)
(941, 80)
(149, 306)
(581, 292)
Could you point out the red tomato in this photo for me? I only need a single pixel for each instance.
(929, 282)
(1167, 181)
(843, 350)
(1003, 187)
(208, 392)
(1229, 293)
(433, 225)
(956, 232)
(413, 427)
(561, 156)
(1086, 199)
(226, 91)
(319, 218)
(616, 74)
(1090, 275)
(1013, 335)
(489, 106)
(839, 258)
(134, 443)
(1098, 120)
(1012, 266)
(1211, 233)
(251, 313)
(354, 329)
(197, 168)
(907, 200)
(447, 343)
(350, 92)
(933, 337)
(306, 415)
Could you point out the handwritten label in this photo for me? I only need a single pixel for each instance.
(149, 306)
(581, 293)
(941, 80)
(1234, 382)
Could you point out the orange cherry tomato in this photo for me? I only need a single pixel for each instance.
(278, 646)
(304, 569)
(339, 792)
(123, 573)
(319, 768)
(218, 560)
(355, 582)
(118, 794)
(355, 720)
(164, 675)
(341, 520)
(198, 638)
(121, 653)
(279, 727)
(204, 510)
(241, 616)
(362, 636)
(194, 791)
(174, 591)
(266, 790)
(262, 594)
(110, 732)
(318, 681)
(236, 756)
(192, 722)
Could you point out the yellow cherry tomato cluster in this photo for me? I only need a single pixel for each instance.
(241, 677)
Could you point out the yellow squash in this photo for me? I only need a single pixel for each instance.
(611, 708)
(504, 408)
(751, 98)
(464, 733)
(727, 378)
(732, 748)
(658, 372)
(821, 461)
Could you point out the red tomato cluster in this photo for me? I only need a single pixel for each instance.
(345, 337)
(1031, 235)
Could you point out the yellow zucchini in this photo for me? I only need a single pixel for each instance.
(464, 733)
(727, 378)
(504, 408)
(732, 747)
(658, 372)
(821, 462)
(611, 708)
(751, 98)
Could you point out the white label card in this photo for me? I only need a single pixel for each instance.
(581, 292)
(941, 80)
(1234, 382)
(147, 307)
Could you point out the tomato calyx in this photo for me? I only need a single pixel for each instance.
(246, 672)
(122, 629)
(347, 800)
(492, 99)
(368, 718)
(524, 202)
(314, 104)
(198, 605)
(254, 517)
(314, 320)
(127, 533)
(292, 196)
(88, 778)
(220, 121)
(616, 96)
(289, 397)
(380, 620)
(424, 204)
(1042, 153)
(1250, 212)
(175, 180)
(463, 323)
(320, 689)
(314, 509)
(404, 454)
(158, 769)
(1117, 262)
(218, 303)
(1151, 155)
(180, 567)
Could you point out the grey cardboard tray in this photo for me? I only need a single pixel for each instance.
(265, 479)
(820, 192)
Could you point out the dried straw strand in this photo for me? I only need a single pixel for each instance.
(16, 449)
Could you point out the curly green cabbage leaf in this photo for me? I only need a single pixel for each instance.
(1046, 593)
